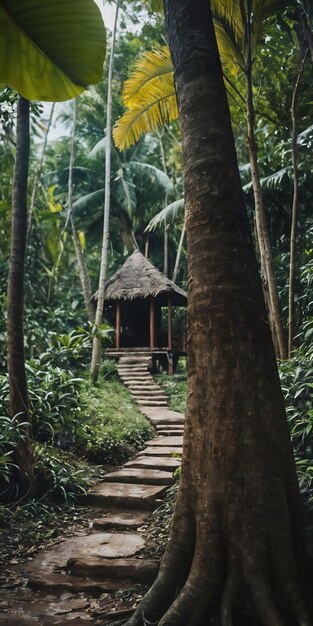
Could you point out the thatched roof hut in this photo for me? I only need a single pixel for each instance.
(138, 292)
(138, 278)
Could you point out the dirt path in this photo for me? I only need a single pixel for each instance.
(76, 580)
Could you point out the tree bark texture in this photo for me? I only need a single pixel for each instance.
(16, 356)
(279, 338)
(236, 536)
(97, 342)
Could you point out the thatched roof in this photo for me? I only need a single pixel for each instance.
(138, 278)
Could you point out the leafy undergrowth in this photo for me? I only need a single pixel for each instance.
(85, 431)
(22, 539)
(175, 388)
(111, 427)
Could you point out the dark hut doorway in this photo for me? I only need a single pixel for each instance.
(134, 323)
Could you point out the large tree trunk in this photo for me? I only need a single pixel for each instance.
(16, 358)
(97, 342)
(237, 526)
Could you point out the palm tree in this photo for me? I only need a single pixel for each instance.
(236, 539)
(149, 96)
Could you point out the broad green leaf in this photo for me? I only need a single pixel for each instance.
(50, 50)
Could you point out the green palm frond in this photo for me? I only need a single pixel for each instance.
(125, 191)
(88, 201)
(149, 94)
(145, 168)
(99, 147)
(169, 212)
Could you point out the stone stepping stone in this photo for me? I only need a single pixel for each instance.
(163, 463)
(170, 432)
(125, 495)
(139, 570)
(161, 451)
(168, 414)
(104, 545)
(151, 403)
(166, 441)
(140, 476)
(150, 393)
(120, 520)
(74, 584)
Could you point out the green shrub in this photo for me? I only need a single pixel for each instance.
(111, 428)
(175, 388)
(297, 384)
(61, 476)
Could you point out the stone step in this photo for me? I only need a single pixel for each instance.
(137, 370)
(138, 397)
(120, 520)
(141, 384)
(152, 403)
(143, 379)
(73, 584)
(166, 441)
(140, 358)
(140, 476)
(138, 376)
(139, 570)
(168, 464)
(126, 495)
(170, 432)
(147, 391)
(161, 451)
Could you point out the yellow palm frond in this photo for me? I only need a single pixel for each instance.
(229, 12)
(153, 109)
(148, 72)
(229, 48)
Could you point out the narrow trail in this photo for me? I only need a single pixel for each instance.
(62, 583)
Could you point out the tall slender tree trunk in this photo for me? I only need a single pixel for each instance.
(165, 225)
(81, 263)
(37, 175)
(97, 342)
(83, 273)
(295, 205)
(266, 259)
(16, 357)
(236, 540)
(179, 251)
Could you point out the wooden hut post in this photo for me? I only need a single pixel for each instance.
(152, 338)
(118, 324)
(170, 336)
(170, 324)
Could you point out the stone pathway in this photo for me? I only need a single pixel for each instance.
(110, 560)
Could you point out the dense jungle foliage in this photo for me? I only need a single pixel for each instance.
(76, 428)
